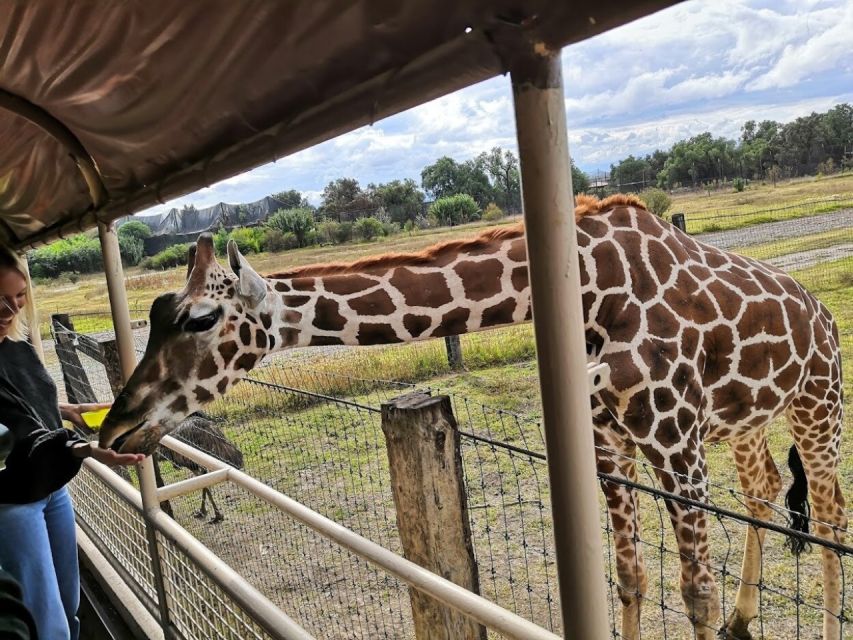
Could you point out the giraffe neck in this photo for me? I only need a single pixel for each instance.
(403, 298)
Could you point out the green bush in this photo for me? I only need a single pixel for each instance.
(276, 240)
(131, 249)
(248, 239)
(410, 227)
(657, 201)
(367, 228)
(738, 184)
(220, 241)
(134, 229)
(493, 213)
(299, 222)
(168, 258)
(77, 254)
(456, 209)
(390, 228)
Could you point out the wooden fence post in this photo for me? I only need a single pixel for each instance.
(112, 364)
(454, 352)
(77, 385)
(425, 463)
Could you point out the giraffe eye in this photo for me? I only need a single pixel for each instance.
(203, 323)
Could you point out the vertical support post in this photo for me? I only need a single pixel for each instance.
(454, 351)
(552, 255)
(124, 339)
(425, 464)
(679, 221)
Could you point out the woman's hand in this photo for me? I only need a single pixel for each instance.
(71, 412)
(112, 458)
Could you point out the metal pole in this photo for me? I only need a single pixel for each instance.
(114, 273)
(552, 254)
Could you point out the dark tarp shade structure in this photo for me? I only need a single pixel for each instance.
(107, 108)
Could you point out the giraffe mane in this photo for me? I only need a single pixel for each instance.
(586, 205)
(389, 260)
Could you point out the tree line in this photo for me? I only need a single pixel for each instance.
(767, 150)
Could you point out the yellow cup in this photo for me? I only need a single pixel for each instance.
(94, 419)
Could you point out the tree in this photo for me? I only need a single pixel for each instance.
(445, 177)
(630, 174)
(580, 181)
(441, 178)
(502, 169)
(291, 199)
(401, 199)
(299, 222)
(344, 199)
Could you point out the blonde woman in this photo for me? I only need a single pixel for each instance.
(37, 537)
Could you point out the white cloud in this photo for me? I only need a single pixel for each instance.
(826, 48)
(699, 65)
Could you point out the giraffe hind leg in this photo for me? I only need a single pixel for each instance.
(815, 418)
(760, 481)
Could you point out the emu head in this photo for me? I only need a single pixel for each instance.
(202, 340)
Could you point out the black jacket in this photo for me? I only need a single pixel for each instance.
(41, 461)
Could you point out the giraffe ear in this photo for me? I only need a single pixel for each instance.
(250, 285)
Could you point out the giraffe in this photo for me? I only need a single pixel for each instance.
(703, 346)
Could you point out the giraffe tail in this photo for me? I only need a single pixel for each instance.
(797, 502)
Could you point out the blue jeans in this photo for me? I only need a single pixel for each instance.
(38, 546)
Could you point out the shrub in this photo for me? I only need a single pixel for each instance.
(220, 241)
(168, 258)
(276, 240)
(493, 213)
(327, 231)
(248, 239)
(80, 254)
(134, 229)
(657, 201)
(390, 228)
(456, 209)
(131, 249)
(344, 232)
(299, 222)
(367, 228)
(738, 184)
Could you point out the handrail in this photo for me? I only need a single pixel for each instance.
(484, 611)
(271, 618)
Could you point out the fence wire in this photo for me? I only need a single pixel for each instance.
(307, 423)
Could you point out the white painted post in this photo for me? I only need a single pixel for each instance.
(560, 344)
(127, 354)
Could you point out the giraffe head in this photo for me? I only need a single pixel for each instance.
(202, 340)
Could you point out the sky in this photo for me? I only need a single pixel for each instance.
(703, 65)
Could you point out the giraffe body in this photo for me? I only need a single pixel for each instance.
(703, 346)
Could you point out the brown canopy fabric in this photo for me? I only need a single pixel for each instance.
(107, 107)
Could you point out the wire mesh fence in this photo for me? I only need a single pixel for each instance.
(307, 423)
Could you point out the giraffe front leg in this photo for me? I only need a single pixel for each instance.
(685, 473)
(630, 565)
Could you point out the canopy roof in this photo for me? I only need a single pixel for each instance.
(107, 108)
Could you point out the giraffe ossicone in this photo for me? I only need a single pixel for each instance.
(703, 346)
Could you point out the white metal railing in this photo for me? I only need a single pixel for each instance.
(205, 597)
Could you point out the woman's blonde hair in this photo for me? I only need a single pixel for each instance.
(27, 316)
